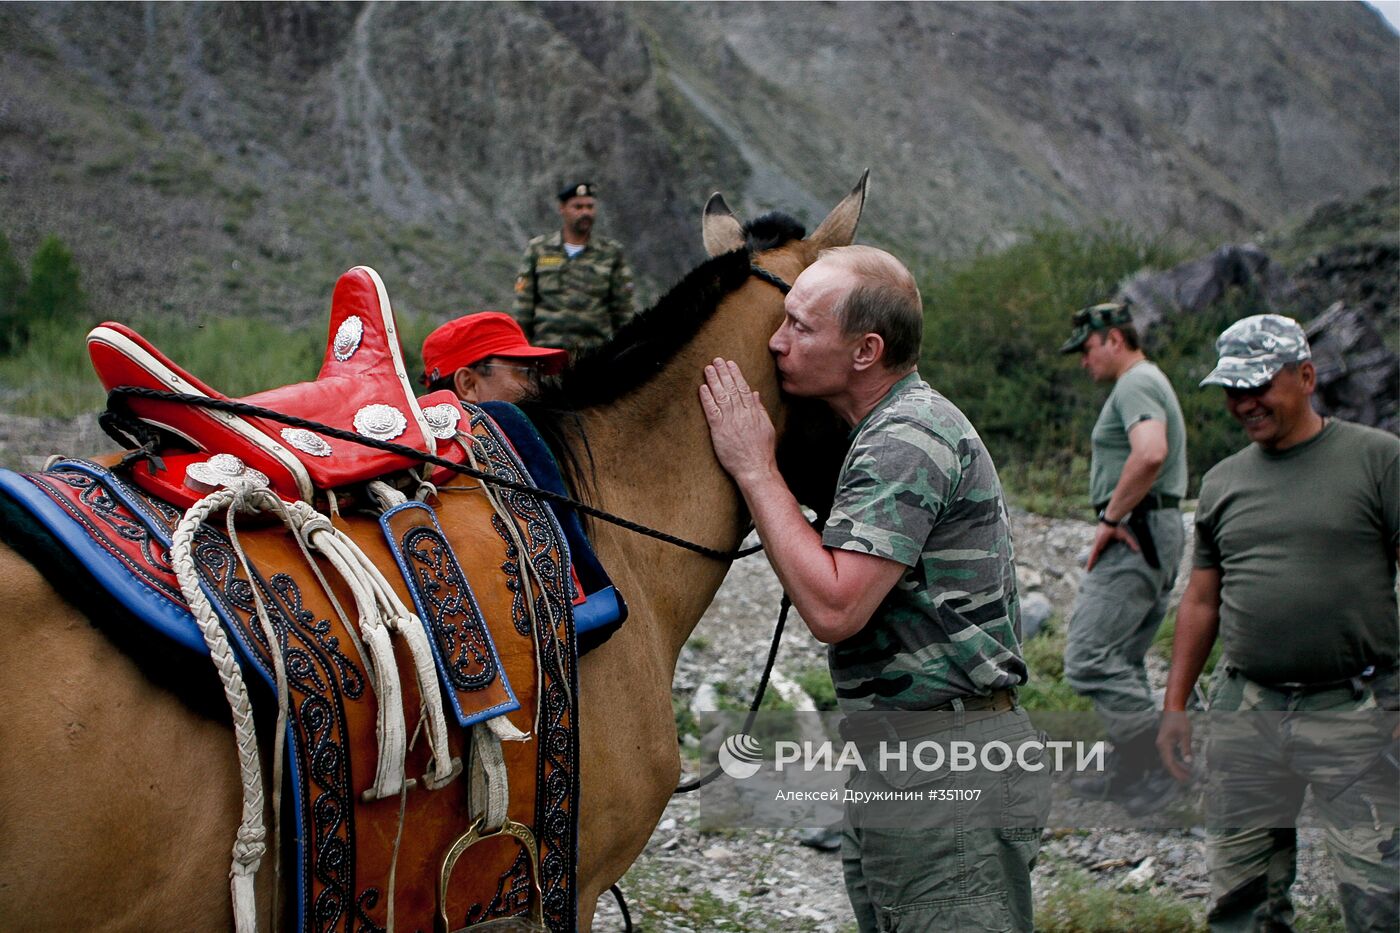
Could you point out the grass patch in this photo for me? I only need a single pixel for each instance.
(816, 681)
(1055, 706)
(1045, 653)
(49, 373)
(1058, 487)
(732, 699)
(1162, 646)
(1323, 917)
(1076, 903)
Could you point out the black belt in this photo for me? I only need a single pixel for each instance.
(1149, 503)
(1355, 684)
(1138, 525)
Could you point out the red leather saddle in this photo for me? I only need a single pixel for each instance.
(362, 387)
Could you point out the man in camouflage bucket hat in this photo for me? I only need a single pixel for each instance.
(1294, 570)
(912, 583)
(1137, 475)
(574, 288)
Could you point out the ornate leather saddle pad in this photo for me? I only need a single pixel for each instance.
(465, 572)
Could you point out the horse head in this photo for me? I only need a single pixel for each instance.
(644, 381)
(814, 444)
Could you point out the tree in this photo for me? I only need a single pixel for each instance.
(12, 287)
(54, 293)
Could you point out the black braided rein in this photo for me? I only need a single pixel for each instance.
(116, 402)
(777, 282)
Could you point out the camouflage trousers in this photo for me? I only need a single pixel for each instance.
(1262, 761)
(951, 867)
(1119, 608)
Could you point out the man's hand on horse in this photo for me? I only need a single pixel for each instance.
(740, 428)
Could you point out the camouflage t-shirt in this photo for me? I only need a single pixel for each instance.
(572, 303)
(918, 487)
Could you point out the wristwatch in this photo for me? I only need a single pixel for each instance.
(1104, 519)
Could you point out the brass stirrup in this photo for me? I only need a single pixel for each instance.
(471, 837)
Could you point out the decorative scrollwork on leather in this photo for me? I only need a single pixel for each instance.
(452, 614)
(557, 788)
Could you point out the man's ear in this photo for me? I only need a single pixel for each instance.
(869, 350)
(1307, 375)
(465, 383)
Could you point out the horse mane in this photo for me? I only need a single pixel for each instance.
(641, 348)
(772, 230)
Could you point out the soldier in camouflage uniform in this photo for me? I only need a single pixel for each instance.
(574, 289)
(1294, 569)
(912, 584)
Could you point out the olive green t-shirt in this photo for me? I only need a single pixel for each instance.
(1142, 393)
(1305, 541)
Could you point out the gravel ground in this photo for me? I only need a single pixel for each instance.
(750, 879)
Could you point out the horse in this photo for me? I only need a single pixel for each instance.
(119, 791)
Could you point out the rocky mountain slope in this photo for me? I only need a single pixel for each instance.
(234, 158)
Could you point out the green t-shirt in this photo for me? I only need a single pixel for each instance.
(1305, 541)
(918, 487)
(1142, 393)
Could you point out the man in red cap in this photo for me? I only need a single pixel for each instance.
(485, 358)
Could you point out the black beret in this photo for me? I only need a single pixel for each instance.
(582, 189)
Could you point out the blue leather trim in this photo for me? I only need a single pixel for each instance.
(599, 609)
(138, 598)
(164, 616)
(409, 581)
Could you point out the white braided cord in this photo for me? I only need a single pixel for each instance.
(250, 844)
(279, 668)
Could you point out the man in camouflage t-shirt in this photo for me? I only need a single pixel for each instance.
(919, 488)
(912, 584)
(574, 289)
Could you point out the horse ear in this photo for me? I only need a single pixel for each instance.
(839, 228)
(722, 230)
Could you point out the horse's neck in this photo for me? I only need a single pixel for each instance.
(655, 465)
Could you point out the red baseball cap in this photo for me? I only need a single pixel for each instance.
(467, 340)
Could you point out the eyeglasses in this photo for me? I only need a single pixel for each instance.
(531, 371)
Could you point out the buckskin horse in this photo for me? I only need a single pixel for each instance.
(119, 793)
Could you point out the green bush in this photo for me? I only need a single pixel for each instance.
(12, 287)
(54, 292)
(993, 326)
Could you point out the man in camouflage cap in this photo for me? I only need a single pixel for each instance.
(1294, 570)
(574, 289)
(912, 584)
(1137, 476)
(1253, 350)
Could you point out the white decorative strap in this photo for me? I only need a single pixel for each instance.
(490, 784)
(382, 612)
(251, 842)
(319, 534)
